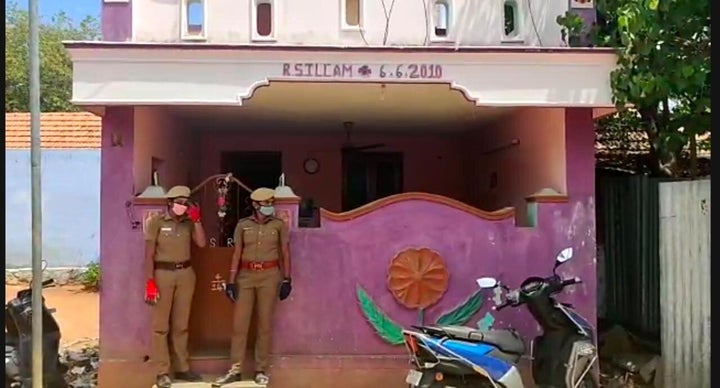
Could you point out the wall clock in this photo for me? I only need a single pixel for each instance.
(311, 165)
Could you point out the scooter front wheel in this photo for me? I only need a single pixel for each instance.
(428, 381)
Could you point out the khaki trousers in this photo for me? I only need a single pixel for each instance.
(257, 290)
(171, 314)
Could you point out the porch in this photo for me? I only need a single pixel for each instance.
(452, 172)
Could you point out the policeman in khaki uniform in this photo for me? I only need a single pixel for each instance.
(259, 276)
(171, 282)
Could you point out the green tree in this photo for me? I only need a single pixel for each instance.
(664, 73)
(55, 64)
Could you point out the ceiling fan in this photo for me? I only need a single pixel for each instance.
(349, 146)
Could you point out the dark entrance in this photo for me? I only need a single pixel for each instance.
(255, 169)
(368, 176)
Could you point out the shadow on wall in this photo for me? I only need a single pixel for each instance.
(70, 202)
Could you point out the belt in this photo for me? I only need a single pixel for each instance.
(259, 265)
(171, 266)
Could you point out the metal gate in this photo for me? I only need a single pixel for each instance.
(685, 283)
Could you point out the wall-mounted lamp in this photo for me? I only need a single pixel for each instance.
(154, 190)
(282, 191)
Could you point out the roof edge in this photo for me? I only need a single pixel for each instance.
(315, 48)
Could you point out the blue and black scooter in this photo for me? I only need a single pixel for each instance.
(563, 356)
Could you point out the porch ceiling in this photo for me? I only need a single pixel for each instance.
(324, 106)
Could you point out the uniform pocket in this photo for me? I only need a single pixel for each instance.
(270, 236)
(249, 235)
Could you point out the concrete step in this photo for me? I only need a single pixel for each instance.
(206, 384)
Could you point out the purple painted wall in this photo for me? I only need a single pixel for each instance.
(123, 320)
(323, 316)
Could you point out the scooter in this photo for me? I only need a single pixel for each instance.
(563, 356)
(18, 343)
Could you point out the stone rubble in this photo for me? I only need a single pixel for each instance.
(82, 366)
(62, 276)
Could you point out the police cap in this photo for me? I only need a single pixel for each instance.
(178, 192)
(262, 194)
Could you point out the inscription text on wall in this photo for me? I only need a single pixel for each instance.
(356, 71)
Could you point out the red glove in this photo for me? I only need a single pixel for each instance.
(193, 213)
(151, 292)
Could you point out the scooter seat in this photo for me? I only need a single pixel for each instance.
(507, 341)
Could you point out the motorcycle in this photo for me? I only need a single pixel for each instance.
(18, 343)
(564, 355)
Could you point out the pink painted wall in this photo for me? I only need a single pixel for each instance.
(468, 242)
(433, 162)
(537, 162)
(160, 135)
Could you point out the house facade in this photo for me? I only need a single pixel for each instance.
(458, 132)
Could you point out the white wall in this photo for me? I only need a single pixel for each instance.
(318, 22)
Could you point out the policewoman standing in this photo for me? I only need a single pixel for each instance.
(171, 282)
(259, 276)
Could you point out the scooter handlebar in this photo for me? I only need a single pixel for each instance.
(570, 282)
(502, 305)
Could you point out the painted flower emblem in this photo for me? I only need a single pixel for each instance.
(365, 71)
(417, 278)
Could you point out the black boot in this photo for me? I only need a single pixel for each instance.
(230, 377)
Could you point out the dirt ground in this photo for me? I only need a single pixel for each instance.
(78, 312)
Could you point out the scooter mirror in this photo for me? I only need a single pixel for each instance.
(564, 255)
(487, 282)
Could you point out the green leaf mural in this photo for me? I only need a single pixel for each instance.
(461, 314)
(486, 322)
(385, 327)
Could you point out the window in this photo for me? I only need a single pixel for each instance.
(352, 13)
(263, 20)
(510, 18)
(441, 18)
(193, 19)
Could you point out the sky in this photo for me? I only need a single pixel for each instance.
(76, 9)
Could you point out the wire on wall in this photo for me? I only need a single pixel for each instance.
(388, 14)
(532, 19)
(427, 23)
(361, 29)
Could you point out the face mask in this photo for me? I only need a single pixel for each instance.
(179, 209)
(267, 210)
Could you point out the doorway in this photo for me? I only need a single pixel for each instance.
(369, 176)
(255, 169)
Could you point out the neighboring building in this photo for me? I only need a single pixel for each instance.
(399, 127)
(70, 163)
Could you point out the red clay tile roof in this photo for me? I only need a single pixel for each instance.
(61, 130)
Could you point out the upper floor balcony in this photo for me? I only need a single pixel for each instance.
(350, 22)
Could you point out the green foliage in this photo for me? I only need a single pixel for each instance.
(461, 314)
(90, 278)
(572, 28)
(55, 64)
(663, 60)
(388, 330)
